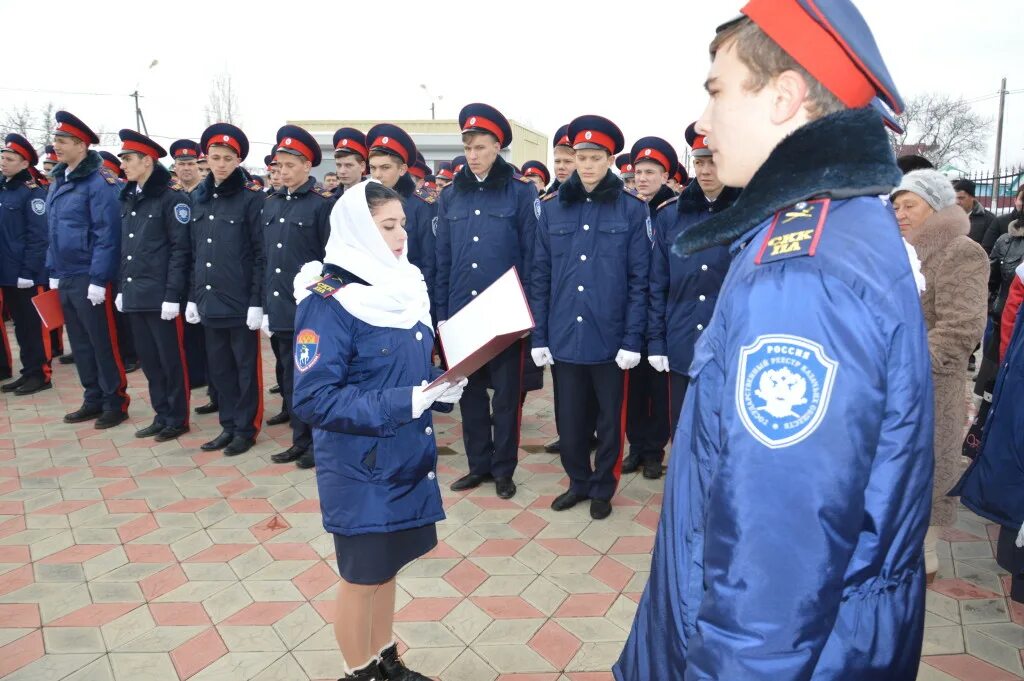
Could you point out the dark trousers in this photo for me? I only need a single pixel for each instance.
(492, 440)
(237, 373)
(195, 354)
(302, 434)
(677, 391)
(282, 345)
(161, 347)
(125, 338)
(647, 419)
(591, 397)
(34, 343)
(94, 342)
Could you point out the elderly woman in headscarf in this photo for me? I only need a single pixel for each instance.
(363, 377)
(956, 272)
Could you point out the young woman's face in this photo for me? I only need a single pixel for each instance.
(390, 220)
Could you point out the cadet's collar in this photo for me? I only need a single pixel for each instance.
(234, 183)
(20, 177)
(90, 164)
(499, 175)
(692, 199)
(304, 188)
(663, 194)
(153, 187)
(606, 191)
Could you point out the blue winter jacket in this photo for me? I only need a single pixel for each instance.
(790, 542)
(22, 230)
(83, 212)
(375, 463)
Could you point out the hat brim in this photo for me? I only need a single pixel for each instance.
(701, 153)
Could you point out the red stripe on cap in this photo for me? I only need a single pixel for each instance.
(185, 152)
(390, 143)
(416, 171)
(52, 157)
(814, 48)
(445, 174)
(112, 167)
(224, 140)
(129, 145)
(19, 150)
(594, 137)
(347, 144)
(72, 130)
(486, 124)
(699, 142)
(563, 141)
(535, 171)
(649, 154)
(292, 143)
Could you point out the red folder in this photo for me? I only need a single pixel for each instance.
(48, 306)
(483, 329)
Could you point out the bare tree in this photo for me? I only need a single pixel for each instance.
(36, 126)
(45, 123)
(223, 103)
(942, 129)
(19, 120)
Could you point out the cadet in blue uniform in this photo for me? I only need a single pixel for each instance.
(296, 225)
(443, 176)
(486, 224)
(227, 285)
(50, 159)
(362, 367)
(538, 173)
(155, 257)
(589, 300)
(22, 263)
(84, 220)
(419, 170)
(625, 167)
(790, 541)
(125, 339)
(653, 160)
(684, 288)
(350, 157)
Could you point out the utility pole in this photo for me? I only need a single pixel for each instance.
(999, 146)
(140, 122)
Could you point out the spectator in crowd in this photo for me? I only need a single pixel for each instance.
(1001, 224)
(1006, 255)
(331, 181)
(980, 218)
(955, 273)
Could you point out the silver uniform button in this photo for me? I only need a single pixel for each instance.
(133, 213)
(579, 288)
(129, 278)
(702, 298)
(129, 257)
(276, 294)
(474, 266)
(419, 335)
(277, 270)
(430, 475)
(208, 287)
(209, 241)
(700, 327)
(476, 212)
(281, 220)
(704, 267)
(583, 258)
(579, 319)
(211, 217)
(586, 228)
(476, 238)
(280, 245)
(209, 264)
(423, 383)
(429, 430)
(214, 196)
(131, 236)
(473, 292)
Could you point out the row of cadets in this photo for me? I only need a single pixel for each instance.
(486, 224)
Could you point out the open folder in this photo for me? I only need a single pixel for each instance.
(48, 306)
(479, 332)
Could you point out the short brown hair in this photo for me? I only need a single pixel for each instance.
(766, 60)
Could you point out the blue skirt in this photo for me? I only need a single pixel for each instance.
(376, 558)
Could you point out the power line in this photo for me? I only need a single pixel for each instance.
(65, 92)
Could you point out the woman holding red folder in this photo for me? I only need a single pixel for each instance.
(363, 342)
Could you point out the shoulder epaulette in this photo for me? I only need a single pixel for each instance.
(253, 186)
(322, 191)
(326, 287)
(633, 193)
(523, 179)
(31, 184)
(110, 177)
(425, 195)
(175, 185)
(549, 196)
(667, 202)
(794, 231)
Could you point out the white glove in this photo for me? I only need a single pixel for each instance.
(423, 397)
(542, 357)
(25, 283)
(96, 294)
(119, 302)
(659, 362)
(254, 318)
(169, 311)
(627, 360)
(454, 393)
(265, 326)
(192, 313)
(54, 284)
(1020, 538)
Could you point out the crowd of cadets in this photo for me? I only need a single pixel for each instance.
(180, 270)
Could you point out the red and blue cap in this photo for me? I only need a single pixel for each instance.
(136, 143)
(112, 163)
(419, 169)
(351, 140)
(16, 144)
(185, 150)
(225, 135)
(595, 132)
(291, 139)
(444, 170)
(698, 143)
(70, 125)
(537, 169)
(657, 150)
(51, 154)
(680, 175)
(624, 166)
(889, 119)
(561, 138)
(457, 164)
(479, 117)
(391, 139)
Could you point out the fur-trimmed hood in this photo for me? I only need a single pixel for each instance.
(159, 181)
(501, 173)
(842, 155)
(692, 200)
(90, 164)
(938, 230)
(606, 191)
(1015, 229)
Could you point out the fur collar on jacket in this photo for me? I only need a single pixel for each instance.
(159, 181)
(939, 229)
(19, 178)
(663, 194)
(92, 162)
(842, 155)
(606, 191)
(234, 183)
(692, 200)
(405, 186)
(501, 173)
(1015, 229)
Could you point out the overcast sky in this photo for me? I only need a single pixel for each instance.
(639, 63)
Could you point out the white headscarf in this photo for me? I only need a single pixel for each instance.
(397, 295)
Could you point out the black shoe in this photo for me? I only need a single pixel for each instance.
(553, 447)
(239, 445)
(600, 509)
(171, 433)
(371, 672)
(33, 385)
(14, 385)
(278, 419)
(469, 482)
(393, 669)
(67, 359)
(219, 442)
(566, 500)
(276, 390)
(306, 460)
(652, 470)
(288, 455)
(84, 413)
(109, 419)
(129, 367)
(150, 430)
(208, 408)
(631, 464)
(505, 488)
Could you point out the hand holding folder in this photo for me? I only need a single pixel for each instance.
(48, 306)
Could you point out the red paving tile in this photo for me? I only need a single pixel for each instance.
(15, 554)
(65, 507)
(137, 528)
(11, 508)
(198, 653)
(586, 605)
(252, 505)
(442, 550)
(612, 572)
(466, 577)
(16, 579)
(291, 551)
(961, 590)
(21, 652)
(179, 614)
(968, 668)
(420, 609)
(19, 615)
(188, 505)
(94, 615)
(163, 582)
(115, 489)
(528, 524)
(127, 506)
(261, 614)
(567, 547)
(555, 644)
(149, 553)
(315, 580)
(506, 607)
(266, 529)
(12, 526)
(220, 553)
(305, 506)
(234, 487)
(632, 545)
(77, 554)
(499, 548)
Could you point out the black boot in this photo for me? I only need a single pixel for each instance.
(14, 385)
(370, 672)
(393, 669)
(32, 385)
(208, 408)
(631, 464)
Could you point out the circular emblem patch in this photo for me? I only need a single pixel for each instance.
(182, 213)
(287, 141)
(433, 225)
(38, 206)
(536, 208)
(307, 347)
(650, 230)
(384, 140)
(588, 135)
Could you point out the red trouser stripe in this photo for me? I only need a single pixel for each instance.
(258, 419)
(617, 471)
(47, 345)
(179, 326)
(122, 387)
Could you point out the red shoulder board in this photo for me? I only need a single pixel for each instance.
(549, 196)
(426, 195)
(794, 232)
(253, 186)
(326, 287)
(322, 191)
(667, 202)
(110, 177)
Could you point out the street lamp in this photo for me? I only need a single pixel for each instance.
(140, 122)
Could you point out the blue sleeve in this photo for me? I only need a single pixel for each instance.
(540, 282)
(768, 603)
(638, 257)
(322, 396)
(105, 229)
(657, 297)
(181, 248)
(526, 218)
(443, 261)
(427, 242)
(259, 258)
(35, 237)
(442, 407)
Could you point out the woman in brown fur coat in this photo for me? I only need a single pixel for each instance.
(955, 298)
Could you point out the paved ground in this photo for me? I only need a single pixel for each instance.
(119, 560)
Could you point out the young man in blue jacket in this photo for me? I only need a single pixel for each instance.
(790, 545)
(84, 218)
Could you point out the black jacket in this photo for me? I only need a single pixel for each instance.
(997, 228)
(296, 227)
(660, 199)
(227, 248)
(981, 220)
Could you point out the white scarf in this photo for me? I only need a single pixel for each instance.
(396, 296)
